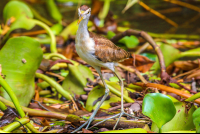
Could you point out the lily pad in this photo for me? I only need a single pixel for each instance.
(181, 121)
(159, 108)
(196, 119)
(20, 58)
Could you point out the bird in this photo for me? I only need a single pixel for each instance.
(98, 52)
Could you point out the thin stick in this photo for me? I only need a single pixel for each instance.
(158, 14)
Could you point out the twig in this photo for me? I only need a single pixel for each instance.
(167, 89)
(119, 106)
(158, 14)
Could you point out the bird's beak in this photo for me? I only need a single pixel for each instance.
(80, 19)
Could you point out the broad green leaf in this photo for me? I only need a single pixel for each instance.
(95, 96)
(76, 80)
(181, 121)
(159, 108)
(20, 58)
(132, 130)
(170, 54)
(196, 119)
(21, 13)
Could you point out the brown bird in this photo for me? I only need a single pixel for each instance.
(99, 52)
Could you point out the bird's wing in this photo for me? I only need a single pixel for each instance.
(107, 51)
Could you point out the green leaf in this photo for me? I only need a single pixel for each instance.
(57, 28)
(76, 80)
(23, 56)
(181, 121)
(196, 119)
(159, 108)
(132, 130)
(95, 94)
(129, 41)
(170, 54)
(21, 13)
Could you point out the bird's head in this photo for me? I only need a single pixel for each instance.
(84, 12)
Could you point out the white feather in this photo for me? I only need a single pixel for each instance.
(85, 47)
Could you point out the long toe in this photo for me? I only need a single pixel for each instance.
(115, 116)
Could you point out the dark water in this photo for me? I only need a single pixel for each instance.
(137, 17)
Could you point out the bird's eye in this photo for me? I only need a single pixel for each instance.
(88, 12)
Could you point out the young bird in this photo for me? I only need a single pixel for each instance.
(99, 52)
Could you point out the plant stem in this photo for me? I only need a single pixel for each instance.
(15, 125)
(2, 106)
(193, 97)
(189, 54)
(14, 99)
(118, 93)
(104, 12)
(53, 38)
(54, 84)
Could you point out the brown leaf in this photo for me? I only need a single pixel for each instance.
(86, 131)
(142, 63)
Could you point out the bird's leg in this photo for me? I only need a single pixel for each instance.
(99, 105)
(122, 106)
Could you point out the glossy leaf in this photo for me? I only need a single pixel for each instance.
(159, 108)
(181, 121)
(23, 56)
(196, 119)
(21, 13)
(76, 80)
(132, 130)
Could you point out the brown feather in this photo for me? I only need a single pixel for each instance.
(84, 8)
(107, 51)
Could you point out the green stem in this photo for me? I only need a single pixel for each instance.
(173, 36)
(14, 99)
(118, 93)
(193, 97)
(55, 85)
(15, 125)
(104, 12)
(189, 54)
(50, 55)
(53, 38)
(2, 106)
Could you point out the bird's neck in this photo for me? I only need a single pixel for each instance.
(83, 29)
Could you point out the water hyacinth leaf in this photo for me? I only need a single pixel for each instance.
(95, 96)
(159, 108)
(22, 14)
(76, 80)
(182, 120)
(20, 66)
(170, 54)
(196, 119)
(132, 130)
